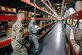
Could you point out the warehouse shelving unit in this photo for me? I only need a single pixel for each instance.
(28, 6)
(75, 16)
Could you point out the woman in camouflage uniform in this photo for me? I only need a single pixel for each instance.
(32, 29)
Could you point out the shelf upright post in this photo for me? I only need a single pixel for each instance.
(16, 10)
(46, 9)
(46, 16)
(34, 9)
(78, 23)
(66, 21)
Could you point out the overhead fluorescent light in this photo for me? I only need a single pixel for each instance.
(58, 7)
(57, 4)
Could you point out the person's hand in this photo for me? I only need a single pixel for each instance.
(36, 26)
(39, 28)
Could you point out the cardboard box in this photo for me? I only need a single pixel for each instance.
(67, 47)
(3, 8)
(78, 5)
(29, 15)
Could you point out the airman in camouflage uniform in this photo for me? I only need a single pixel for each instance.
(33, 36)
(18, 41)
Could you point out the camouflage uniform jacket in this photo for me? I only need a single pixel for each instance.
(18, 41)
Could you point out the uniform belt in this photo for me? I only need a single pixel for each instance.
(32, 33)
(20, 43)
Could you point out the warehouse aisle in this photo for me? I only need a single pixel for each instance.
(53, 43)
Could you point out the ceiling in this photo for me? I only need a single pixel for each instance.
(57, 5)
(55, 1)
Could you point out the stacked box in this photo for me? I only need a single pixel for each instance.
(78, 5)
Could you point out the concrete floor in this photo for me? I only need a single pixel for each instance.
(53, 43)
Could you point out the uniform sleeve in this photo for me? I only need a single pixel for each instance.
(31, 28)
(13, 34)
(17, 33)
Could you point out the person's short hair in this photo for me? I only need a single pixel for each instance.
(19, 14)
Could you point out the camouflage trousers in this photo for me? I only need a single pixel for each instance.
(35, 43)
(18, 49)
